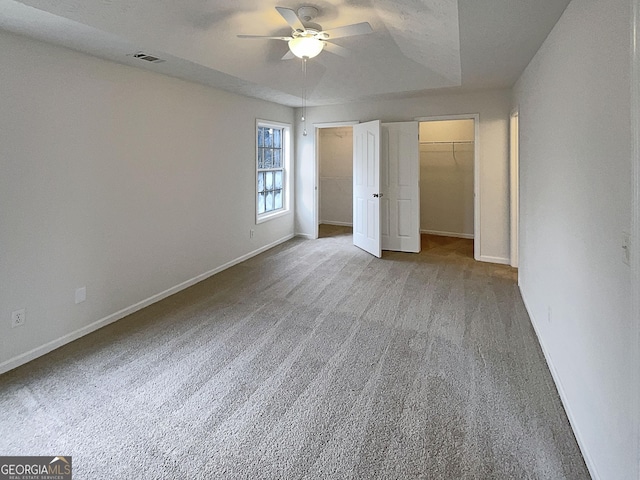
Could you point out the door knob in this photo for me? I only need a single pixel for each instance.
(376, 195)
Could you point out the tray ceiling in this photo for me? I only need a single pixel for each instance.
(416, 46)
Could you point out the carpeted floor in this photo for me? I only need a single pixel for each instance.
(313, 360)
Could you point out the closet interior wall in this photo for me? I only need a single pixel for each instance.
(335, 154)
(447, 177)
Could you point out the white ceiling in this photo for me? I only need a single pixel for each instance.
(416, 46)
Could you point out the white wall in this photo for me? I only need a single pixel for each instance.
(575, 202)
(117, 179)
(335, 151)
(446, 177)
(493, 108)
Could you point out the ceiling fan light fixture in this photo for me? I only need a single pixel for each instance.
(305, 47)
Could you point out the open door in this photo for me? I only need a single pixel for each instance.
(400, 179)
(366, 187)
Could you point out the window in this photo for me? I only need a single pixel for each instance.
(272, 152)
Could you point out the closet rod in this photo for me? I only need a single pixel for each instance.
(446, 143)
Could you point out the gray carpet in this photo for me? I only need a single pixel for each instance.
(312, 360)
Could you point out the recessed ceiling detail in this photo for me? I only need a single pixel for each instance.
(416, 45)
(426, 32)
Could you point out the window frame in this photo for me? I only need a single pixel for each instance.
(286, 162)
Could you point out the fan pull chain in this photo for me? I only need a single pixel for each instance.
(304, 96)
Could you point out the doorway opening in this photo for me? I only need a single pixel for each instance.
(379, 200)
(334, 171)
(335, 176)
(447, 183)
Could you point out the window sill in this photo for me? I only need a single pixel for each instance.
(271, 216)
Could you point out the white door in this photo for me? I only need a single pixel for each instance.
(366, 187)
(400, 183)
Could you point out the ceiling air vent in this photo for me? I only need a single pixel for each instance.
(146, 57)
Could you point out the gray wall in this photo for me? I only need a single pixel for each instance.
(575, 199)
(121, 180)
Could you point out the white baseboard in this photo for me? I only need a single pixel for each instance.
(447, 234)
(488, 259)
(563, 396)
(338, 224)
(70, 337)
(305, 235)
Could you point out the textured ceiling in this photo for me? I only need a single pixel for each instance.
(416, 46)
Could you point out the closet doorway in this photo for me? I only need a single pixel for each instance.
(448, 159)
(335, 175)
(337, 201)
(449, 176)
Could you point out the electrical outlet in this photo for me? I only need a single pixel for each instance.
(626, 248)
(18, 318)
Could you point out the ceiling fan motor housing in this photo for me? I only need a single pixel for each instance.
(308, 39)
(307, 14)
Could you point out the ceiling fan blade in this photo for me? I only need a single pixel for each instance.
(336, 49)
(349, 30)
(291, 18)
(286, 39)
(288, 56)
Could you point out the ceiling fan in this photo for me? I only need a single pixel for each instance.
(308, 41)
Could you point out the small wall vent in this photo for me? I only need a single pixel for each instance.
(146, 57)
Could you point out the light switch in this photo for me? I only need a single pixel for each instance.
(626, 248)
(81, 294)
